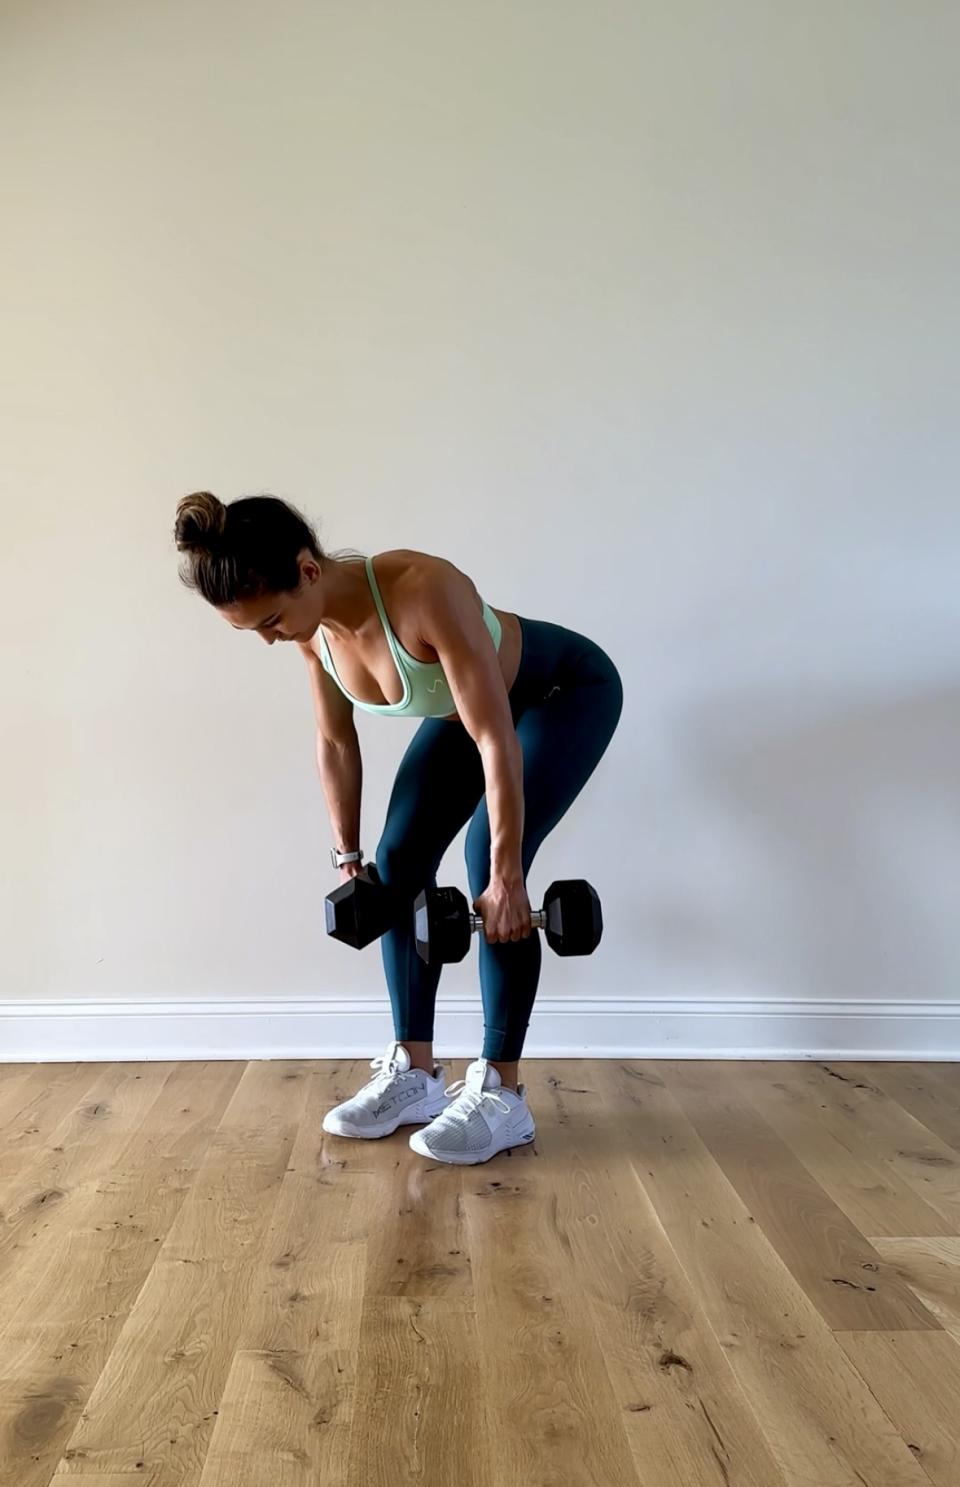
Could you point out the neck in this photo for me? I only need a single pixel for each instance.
(345, 597)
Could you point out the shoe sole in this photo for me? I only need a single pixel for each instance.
(364, 1133)
(465, 1159)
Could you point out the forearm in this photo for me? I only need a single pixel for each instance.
(503, 773)
(341, 775)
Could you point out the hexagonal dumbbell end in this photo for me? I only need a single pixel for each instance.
(573, 919)
(359, 911)
(442, 925)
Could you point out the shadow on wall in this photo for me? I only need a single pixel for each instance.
(831, 844)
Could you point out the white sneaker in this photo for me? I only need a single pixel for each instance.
(482, 1119)
(397, 1095)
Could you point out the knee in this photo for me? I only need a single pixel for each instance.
(394, 863)
(401, 868)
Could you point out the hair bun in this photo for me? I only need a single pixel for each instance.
(201, 523)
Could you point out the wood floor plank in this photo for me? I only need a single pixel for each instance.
(289, 1398)
(75, 1289)
(840, 1272)
(931, 1267)
(872, 1194)
(947, 1071)
(420, 1247)
(288, 1401)
(687, 1421)
(13, 1078)
(926, 1414)
(865, 1117)
(10, 1071)
(37, 1413)
(38, 1095)
(48, 1096)
(930, 1092)
(122, 1479)
(418, 1242)
(95, 1261)
(821, 1420)
(157, 1398)
(426, 1385)
(39, 1203)
(554, 1417)
(420, 1378)
(373, 1192)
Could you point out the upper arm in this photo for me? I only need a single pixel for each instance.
(332, 710)
(451, 621)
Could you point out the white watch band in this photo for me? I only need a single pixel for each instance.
(340, 858)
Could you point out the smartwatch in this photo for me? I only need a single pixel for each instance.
(339, 858)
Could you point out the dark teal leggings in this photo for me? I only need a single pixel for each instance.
(566, 702)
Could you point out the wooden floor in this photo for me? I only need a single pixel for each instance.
(714, 1275)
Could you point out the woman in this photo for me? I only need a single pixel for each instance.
(517, 714)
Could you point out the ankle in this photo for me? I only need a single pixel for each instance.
(509, 1072)
(421, 1056)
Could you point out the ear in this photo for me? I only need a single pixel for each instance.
(309, 570)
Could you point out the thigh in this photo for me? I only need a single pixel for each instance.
(437, 787)
(562, 739)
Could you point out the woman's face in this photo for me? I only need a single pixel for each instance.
(292, 615)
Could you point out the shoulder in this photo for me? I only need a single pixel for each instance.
(434, 597)
(421, 578)
(408, 565)
(310, 651)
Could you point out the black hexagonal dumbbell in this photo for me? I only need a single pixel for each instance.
(570, 919)
(360, 910)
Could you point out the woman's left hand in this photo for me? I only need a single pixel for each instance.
(505, 910)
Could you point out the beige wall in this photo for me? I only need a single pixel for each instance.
(644, 314)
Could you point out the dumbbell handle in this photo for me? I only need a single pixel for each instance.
(538, 920)
(569, 917)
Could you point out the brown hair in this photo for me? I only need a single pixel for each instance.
(243, 550)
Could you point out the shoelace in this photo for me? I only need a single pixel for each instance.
(386, 1070)
(468, 1100)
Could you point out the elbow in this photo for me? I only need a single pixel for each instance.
(498, 742)
(345, 741)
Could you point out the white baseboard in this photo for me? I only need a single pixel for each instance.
(606, 1027)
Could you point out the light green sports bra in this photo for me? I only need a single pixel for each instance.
(426, 692)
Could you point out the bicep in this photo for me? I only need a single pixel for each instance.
(332, 710)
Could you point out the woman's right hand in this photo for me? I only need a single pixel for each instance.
(352, 870)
